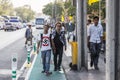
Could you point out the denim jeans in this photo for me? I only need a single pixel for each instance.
(46, 56)
(95, 49)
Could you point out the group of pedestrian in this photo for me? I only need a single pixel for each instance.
(51, 43)
(55, 42)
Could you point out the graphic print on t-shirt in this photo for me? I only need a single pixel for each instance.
(45, 41)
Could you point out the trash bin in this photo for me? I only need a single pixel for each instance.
(74, 47)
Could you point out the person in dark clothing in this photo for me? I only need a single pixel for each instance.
(28, 35)
(70, 27)
(60, 42)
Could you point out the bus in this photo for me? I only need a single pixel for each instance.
(39, 22)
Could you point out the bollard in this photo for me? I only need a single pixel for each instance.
(14, 66)
(14, 74)
(28, 55)
(74, 54)
(35, 45)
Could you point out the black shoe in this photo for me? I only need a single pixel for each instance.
(104, 60)
(59, 69)
(48, 73)
(43, 72)
(91, 64)
(55, 69)
(96, 68)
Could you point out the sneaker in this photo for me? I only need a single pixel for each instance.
(48, 73)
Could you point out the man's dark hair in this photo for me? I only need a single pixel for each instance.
(89, 21)
(96, 17)
(46, 26)
(58, 23)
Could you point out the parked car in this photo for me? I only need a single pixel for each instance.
(8, 26)
(16, 23)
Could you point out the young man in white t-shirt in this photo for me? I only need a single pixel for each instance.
(45, 42)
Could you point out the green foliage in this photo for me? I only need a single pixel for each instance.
(6, 7)
(94, 9)
(53, 9)
(71, 10)
(48, 9)
(25, 13)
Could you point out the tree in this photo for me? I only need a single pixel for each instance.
(25, 13)
(48, 9)
(70, 9)
(53, 9)
(94, 9)
(6, 7)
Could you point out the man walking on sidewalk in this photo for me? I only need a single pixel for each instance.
(95, 34)
(45, 42)
(60, 42)
(28, 35)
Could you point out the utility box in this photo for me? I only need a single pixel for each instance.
(74, 48)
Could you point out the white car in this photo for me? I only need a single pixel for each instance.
(9, 26)
(16, 23)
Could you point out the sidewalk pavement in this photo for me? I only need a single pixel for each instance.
(36, 74)
(91, 74)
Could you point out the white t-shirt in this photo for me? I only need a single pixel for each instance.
(95, 32)
(63, 29)
(45, 43)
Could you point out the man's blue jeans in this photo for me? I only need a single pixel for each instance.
(95, 49)
(46, 56)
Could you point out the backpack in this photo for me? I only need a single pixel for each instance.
(50, 39)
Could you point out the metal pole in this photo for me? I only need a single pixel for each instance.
(110, 37)
(78, 2)
(55, 6)
(85, 34)
(100, 11)
(117, 40)
(81, 33)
